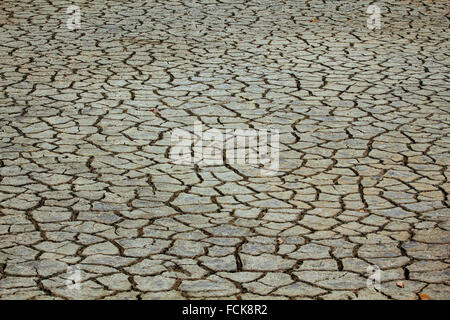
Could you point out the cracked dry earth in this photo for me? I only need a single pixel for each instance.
(86, 122)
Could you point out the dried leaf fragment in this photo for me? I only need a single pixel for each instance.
(424, 296)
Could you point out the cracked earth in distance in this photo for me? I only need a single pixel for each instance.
(86, 118)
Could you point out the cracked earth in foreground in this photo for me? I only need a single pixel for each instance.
(86, 180)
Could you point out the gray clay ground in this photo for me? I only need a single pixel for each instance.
(86, 118)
